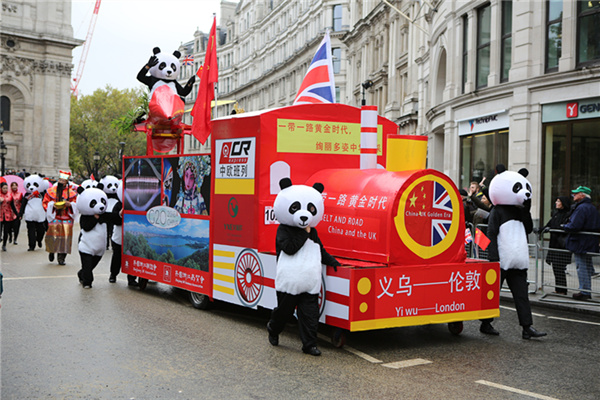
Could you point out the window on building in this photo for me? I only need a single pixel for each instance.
(337, 59)
(465, 50)
(480, 154)
(484, 20)
(506, 46)
(588, 32)
(337, 94)
(554, 12)
(570, 160)
(5, 112)
(337, 17)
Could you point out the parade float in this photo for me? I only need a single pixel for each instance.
(205, 222)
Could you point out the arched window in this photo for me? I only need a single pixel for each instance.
(5, 112)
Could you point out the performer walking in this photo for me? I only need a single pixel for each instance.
(58, 203)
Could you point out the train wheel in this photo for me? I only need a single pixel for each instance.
(455, 328)
(142, 283)
(248, 277)
(338, 337)
(199, 300)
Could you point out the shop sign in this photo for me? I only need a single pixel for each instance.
(484, 123)
(571, 110)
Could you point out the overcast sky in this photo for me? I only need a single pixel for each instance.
(127, 31)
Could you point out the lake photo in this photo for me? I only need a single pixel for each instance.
(186, 244)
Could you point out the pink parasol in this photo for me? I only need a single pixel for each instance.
(14, 178)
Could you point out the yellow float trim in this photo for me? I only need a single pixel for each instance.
(422, 320)
(223, 289)
(223, 265)
(224, 278)
(234, 186)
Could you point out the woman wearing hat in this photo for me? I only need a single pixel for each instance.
(584, 218)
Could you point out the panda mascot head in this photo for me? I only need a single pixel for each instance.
(111, 185)
(510, 188)
(34, 183)
(167, 68)
(89, 183)
(91, 201)
(299, 205)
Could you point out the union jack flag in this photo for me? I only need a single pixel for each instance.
(188, 60)
(318, 85)
(468, 236)
(429, 213)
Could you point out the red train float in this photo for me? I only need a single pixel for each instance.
(399, 232)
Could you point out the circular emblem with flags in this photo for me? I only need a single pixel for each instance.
(428, 216)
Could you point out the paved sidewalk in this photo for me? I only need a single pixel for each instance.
(558, 302)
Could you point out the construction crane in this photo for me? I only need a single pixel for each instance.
(86, 49)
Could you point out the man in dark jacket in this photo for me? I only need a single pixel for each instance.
(584, 218)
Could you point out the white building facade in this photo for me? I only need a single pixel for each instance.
(488, 81)
(36, 43)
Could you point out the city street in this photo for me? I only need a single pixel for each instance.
(60, 341)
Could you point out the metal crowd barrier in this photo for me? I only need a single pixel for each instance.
(476, 252)
(552, 284)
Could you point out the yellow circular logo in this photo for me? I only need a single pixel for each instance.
(428, 216)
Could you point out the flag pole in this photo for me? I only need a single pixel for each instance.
(215, 86)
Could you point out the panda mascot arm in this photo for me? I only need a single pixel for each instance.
(290, 239)
(142, 76)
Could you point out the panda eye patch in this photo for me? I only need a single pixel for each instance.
(174, 67)
(517, 187)
(294, 207)
(528, 187)
(162, 65)
(312, 209)
(93, 203)
(103, 201)
(35, 184)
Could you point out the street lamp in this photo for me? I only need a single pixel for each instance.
(96, 159)
(365, 85)
(3, 149)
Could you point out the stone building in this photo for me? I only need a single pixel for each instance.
(36, 42)
(488, 81)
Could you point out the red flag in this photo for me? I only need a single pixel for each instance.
(209, 75)
(481, 240)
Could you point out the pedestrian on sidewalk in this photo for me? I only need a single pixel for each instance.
(556, 256)
(584, 219)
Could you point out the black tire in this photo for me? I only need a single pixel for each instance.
(338, 337)
(455, 328)
(142, 283)
(199, 300)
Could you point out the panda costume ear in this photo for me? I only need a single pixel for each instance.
(80, 189)
(156, 50)
(285, 183)
(176, 54)
(319, 187)
(524, 172)
(100, 186)
(500, 168)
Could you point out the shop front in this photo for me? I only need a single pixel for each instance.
(483, 145)
(571, 150)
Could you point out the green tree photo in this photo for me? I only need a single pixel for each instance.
(102, 122)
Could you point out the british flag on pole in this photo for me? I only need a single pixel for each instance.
(318, 85)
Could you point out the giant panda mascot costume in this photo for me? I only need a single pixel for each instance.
(110, 186)
(509, 224)
(117, 238)
(91, 204)
(163, 70)
(32, 210)
(300, 255)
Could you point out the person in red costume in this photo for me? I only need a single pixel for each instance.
(8, 212)
(59, 203)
